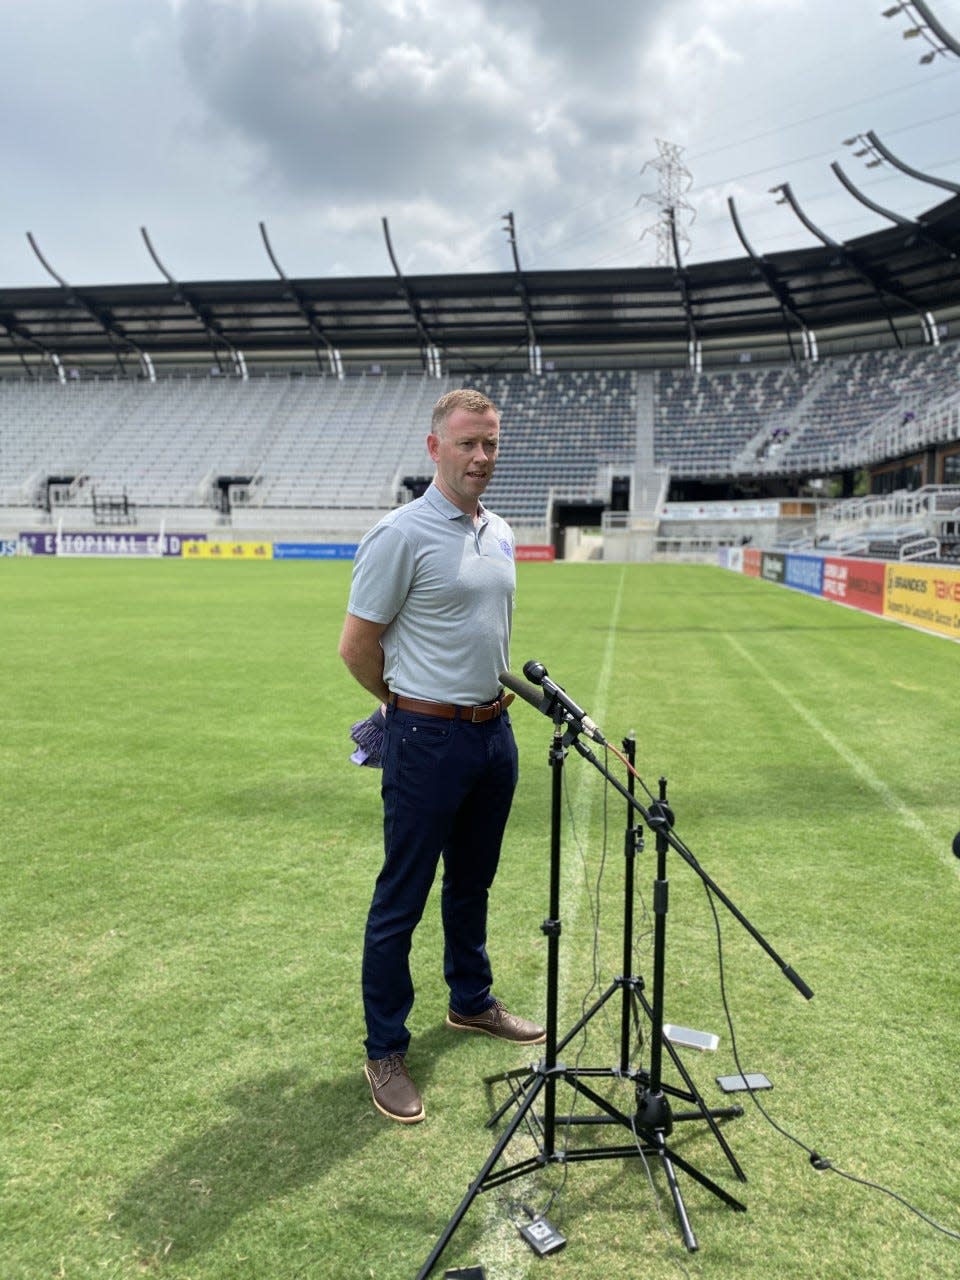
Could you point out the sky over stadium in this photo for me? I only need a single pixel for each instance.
(199, 119)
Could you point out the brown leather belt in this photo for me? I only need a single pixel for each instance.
(449, 710)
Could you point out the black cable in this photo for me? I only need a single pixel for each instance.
(819, 1162)
(594, 902)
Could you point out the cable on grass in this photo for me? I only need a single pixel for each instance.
(818, 1161)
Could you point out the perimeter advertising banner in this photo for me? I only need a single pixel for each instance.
(752, 562)
(314, 550)
(922, 595)
(773, 566)
(855, 582)
(102, 544)
(804, 573)
(926, 596)
(224, 550)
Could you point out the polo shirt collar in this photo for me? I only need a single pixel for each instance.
(447, 508)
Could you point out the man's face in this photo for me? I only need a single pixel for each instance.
(465, 454)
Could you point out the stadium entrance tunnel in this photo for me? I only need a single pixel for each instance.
(573, 515)
(230, 489)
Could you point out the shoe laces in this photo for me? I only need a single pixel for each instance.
(393, 1065)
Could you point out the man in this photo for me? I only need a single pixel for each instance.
(427, 633)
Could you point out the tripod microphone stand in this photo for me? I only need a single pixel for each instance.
(651, 1124)
(544, 1076)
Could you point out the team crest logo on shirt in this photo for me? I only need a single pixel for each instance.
(506, 548)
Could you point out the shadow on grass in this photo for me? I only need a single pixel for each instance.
(286, 1131)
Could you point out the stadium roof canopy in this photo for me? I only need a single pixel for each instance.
(898, 286)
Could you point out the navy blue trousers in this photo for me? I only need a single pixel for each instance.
(447, 790)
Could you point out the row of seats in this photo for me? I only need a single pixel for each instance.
(319, 441)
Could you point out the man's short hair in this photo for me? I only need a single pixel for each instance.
(462, 398)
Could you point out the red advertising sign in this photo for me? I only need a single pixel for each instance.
(752, 561)
(536, 553)
(854, 582)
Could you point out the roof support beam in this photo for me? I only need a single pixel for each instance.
(844, 255)
(905, 168)
(429, 351)
(534, 352)
(777, 288)
(211, 326)
(931, 22)
(317, 334)
(115, 332)
(19, 335)
(694, 345)
(916, 230)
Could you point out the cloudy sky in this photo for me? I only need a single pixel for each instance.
(201, 118)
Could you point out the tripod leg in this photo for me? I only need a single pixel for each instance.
(706, 1113)
(694, 1095)
(478, 1183)
(704, 1181)
(686, 1231)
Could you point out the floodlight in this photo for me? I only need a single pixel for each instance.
(892, 13)
(911, 33)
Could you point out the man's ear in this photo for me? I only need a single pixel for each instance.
(433, 442)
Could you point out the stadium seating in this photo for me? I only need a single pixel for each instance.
(797, 416)
(308, 441)
(565, 432)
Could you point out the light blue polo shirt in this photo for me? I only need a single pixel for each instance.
(446, 588)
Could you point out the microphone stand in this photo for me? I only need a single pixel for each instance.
(544, 1075)
(652, 1123)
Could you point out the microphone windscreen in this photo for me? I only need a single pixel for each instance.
(528, 692)
(956, 845)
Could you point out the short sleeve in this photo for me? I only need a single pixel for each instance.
(382, 574)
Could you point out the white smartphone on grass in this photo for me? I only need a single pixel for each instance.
(687, 1038)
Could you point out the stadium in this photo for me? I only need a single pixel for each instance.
(189, 851)
(234, 408)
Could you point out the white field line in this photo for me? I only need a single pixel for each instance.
(505, 1256)
(588, 791)
(852, 760)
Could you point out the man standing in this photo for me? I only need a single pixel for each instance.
(427, 633)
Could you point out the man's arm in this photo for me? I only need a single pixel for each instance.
(360, 650)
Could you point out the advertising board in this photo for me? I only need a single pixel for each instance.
(926, 596)
(221, 549)
(804, 573)
(858, 583)
(773, 566)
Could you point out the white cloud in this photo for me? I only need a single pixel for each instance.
(200, 117)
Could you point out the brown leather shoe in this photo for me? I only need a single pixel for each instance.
(500, 1024)
(394, 1093)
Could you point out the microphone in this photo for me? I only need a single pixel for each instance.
(575, 715)
(956, 845)
(527, 692)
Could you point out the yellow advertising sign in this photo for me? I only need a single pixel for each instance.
(926, 596)
(223, 550)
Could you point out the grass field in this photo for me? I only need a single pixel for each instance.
(187, 861)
